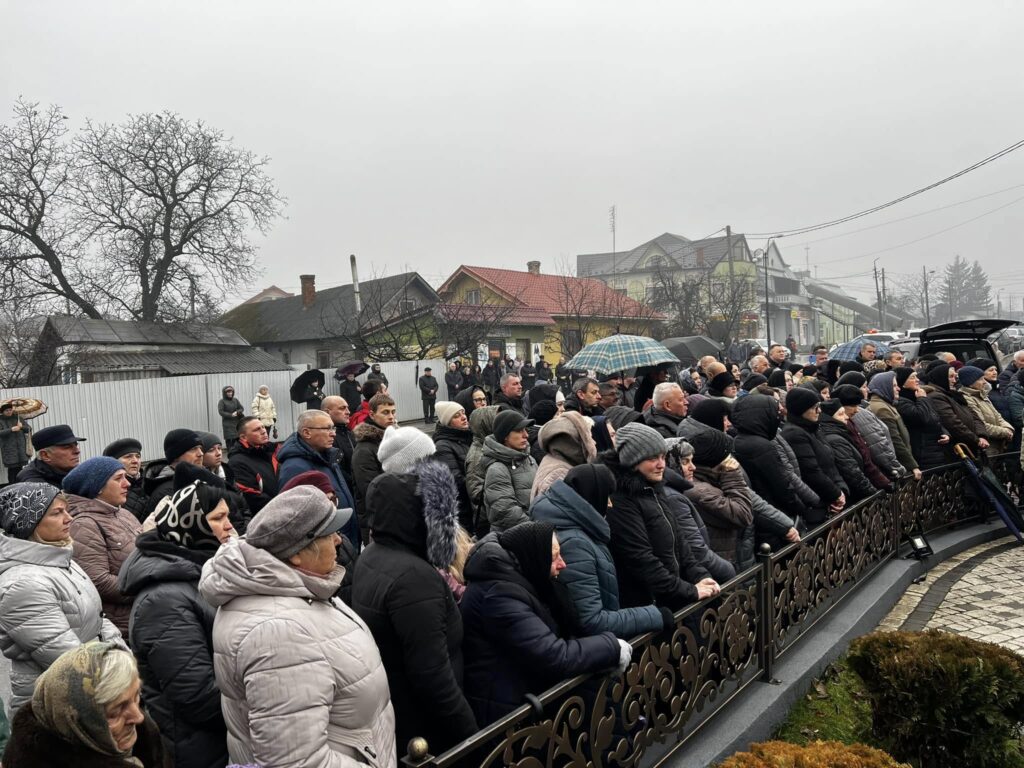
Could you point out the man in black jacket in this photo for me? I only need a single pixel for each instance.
(453, 380)
(338, 409)
(511, 393)
(428, 393)
(57, 453)
(585, 395)
(669, 406)
(365, 464)
(252, 459)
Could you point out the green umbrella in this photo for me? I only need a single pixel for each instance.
(620, 351)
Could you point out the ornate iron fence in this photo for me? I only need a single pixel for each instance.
(677, 685)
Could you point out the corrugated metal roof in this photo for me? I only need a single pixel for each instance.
(82, 330)
(183, 363)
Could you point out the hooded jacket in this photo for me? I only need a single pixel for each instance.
(691, 527)
(452, 446)
(104, 537)
(172, 638)
(263, 408)
(651, 555)
(997, 430)
(508, 478)
(512, 644)
(924, 427)
(848, 459)
(881, 403)
(956, 416)
(481, 424)
(589, 574)
(817, 467)
(567, 442)
(231, 412)
(756, 419)
(48, 605)
(301, 679)
(409, 608)
(723, 503)
(296, 456)
(365, 467)
(255, 473)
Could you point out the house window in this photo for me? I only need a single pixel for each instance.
(700, 257)
(473, 297)
(406, 305)
(323, 358)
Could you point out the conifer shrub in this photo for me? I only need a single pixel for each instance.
(939, 699)
(817, 754)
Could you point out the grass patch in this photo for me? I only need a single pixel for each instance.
(835, 708)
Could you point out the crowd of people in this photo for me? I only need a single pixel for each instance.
(325, 599)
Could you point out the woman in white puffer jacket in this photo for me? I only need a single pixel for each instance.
(263, 407)
(47, 603)
(300, 676)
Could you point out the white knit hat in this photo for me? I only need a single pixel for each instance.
(401, 447)
(446, 410)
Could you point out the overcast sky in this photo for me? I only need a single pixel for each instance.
(430, 134)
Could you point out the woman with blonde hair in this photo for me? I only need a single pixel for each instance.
(263, 407)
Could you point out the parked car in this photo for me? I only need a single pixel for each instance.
(966, 339)
(885, 337)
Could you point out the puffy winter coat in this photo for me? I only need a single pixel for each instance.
(263, 408)
(589, 575)
(172, 637)
(47, 606)
(651, 555)
(666, 424)
(481, 424)
(296, 456)
(876, 435)
(508, 477)
(847, 458)
(898, 434)
(104, 537)
(512, 644)
(997, 430)
(694, 532)
(365, 468)
(14, 445)
(723, 502)
(924, 427)
(756, 419)
(804, 492)
(231, 412)
(301, 679)
(451, 446)
(567, 442)
(409, 608)
(957, 418)
(817, 467)
(255, 471)
(37, 471)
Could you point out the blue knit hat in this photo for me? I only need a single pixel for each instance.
(89, 477)
(969, 374)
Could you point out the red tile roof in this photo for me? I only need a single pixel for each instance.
(500, 315)
(558, 294)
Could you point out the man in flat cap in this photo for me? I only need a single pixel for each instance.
(57, 453)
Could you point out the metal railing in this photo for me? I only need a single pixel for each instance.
(677, 685)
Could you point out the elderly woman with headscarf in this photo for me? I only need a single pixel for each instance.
(883, 391)
(48, 605)
(86, 713)
(172, 626)
(951, 406)
(102, 529)
(300, 676)
(975, 389)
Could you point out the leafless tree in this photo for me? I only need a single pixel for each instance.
(702, 303)
(146, 220)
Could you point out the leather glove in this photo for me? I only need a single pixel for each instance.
(668, 619)
(625, 656)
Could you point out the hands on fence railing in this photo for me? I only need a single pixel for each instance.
(675, 685)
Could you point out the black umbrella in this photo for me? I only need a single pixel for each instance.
(355, 367)
(299, 390)
(692, 348)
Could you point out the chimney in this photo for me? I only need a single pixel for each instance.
(355, 284)
(533, 267)
(308, 290)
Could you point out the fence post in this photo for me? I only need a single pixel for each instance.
(766, 591)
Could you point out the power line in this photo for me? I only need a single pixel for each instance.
(875, 209)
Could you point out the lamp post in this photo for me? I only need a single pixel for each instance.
(927, 307)
(767, 317)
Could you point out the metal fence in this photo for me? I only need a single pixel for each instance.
(677, 685)
(147, 409)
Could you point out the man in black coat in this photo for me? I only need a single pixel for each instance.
(428, 393)
(181, 446)
(338, 409)
(528, 374)
(352, 391)
(365, 464)
(409, 608)
(586, 393)
(511, 393)
(669, 406)
(57, 453)
(252, 459)
(453, 380)
(452, 438)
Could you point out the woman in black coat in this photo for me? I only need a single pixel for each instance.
(756, 419)
(517, 630)
(171, 626)
(452, 439)
(928, 437)
(833, 430)
(404, 600)
(956, 416)
(817, 466)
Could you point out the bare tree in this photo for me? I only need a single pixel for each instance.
(147, 220)
(464, 327)
(702, 303)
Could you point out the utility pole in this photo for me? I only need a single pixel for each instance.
(885, 303)
(927, 306)
(767, 317)
(878, 294)
(731, 305)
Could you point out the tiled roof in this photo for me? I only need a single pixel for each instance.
(558, 294)
(184, 363)
(82, 330)
(513, 316)
(332, 311)
(679, 249)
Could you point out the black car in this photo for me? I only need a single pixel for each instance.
(966, 339)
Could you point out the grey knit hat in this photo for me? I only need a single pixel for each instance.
(292, 520)
(23, 505)
(636, 442)
(401, 447)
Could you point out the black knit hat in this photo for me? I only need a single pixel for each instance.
(711, 412)
(710, 447)
(754, 380)
(847, 394)
(777, 379)
(981, 362)
(719, 382)
(902, 374)
(831, 406)
(543, 412)
(178, 442)
(938, 376)
(531, 545)
(856, 378)
(799, 400)
(122, 447)
(850, 365)
(620, 415)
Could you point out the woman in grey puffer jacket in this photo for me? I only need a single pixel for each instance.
(301, 679)
(509, 471)
(47, 603)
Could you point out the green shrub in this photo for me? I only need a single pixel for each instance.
(817, 754)
(835, 708)
(943, 700)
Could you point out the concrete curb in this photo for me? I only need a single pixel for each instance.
(761, 709)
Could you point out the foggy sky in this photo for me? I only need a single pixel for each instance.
(424, 135)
